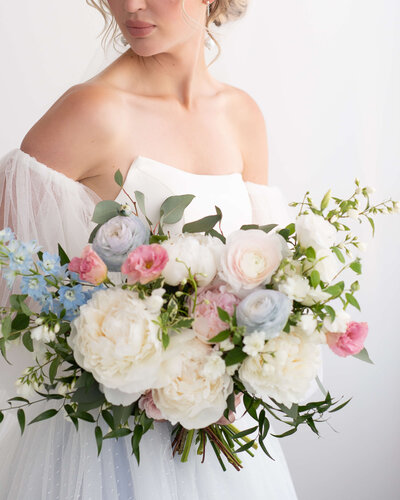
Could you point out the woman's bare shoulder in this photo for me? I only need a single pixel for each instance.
(77, 132)
(251, 131)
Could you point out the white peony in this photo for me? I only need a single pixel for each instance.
(201, 253)
(314, 231)
(284, 370)
(115, 339)
(196, 397)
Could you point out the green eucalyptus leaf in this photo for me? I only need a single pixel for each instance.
(269, 227)
(27, 341)
(105, 210)
(118, 178)
(93, 233)
(141, 202)
(171, 210)
(117, 433)
(203, 225)
(363, 356)
(246, 446)
(44, 415)
(99, 439)
(135, 442)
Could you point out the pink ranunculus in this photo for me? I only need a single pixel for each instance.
(145, 263)
(206, 322)
(351, 341)
(232, 414)
(90, 266)
(146, 403)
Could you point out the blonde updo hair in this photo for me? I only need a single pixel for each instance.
(221, 12)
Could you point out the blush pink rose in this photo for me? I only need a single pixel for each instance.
(351, 341)
(145, 263)
(232, 414)
(206, 322)
(90, 266)
(146, 403)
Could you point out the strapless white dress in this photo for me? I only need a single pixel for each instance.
(51, 460)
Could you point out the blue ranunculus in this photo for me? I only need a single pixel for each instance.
(264, 310)
(117, 237)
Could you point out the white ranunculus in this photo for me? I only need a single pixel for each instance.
(250, 258)
(339, 324)
(284, 370)
(201, 253)
(196, 397)
(296, 287)
(115, 339)
(314, 231)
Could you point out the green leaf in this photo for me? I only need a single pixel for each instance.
(122, 413)
(356, 266)
(234, 356)
(326, 199)
(84, 415)
(337, 408)
(88, 397)
(108, 418)
(310, 253)
(6, 327)
(218, 235)
(27, 341)
(220, 337)
(338, 253)
(171, 210)
(245, 447)
(287, 433)
(250, 405)
(21, 420)
(1, 416)
(203, 225)
(135, 441)
(371, 221)
(315, 278)
(118, 178)
(18, 398)
(269, 227)
(141, 203)
(331, 311)
(64, 259)
(117, 433)
(335, 290)
(99, 439)
(105, 210)
(93, 233)
(291, 228)
(44, 415)
(364, 356)
(244, 433)
(225, 316)
(353, 301)
(53, 368)
(246, 227)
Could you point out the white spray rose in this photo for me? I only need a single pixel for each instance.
(339, 324)
(284, 370)
(315, 295)
(254, 343)
(201, 253)
(326, 263)
(296, 287)
(314, 231)
(196, 397)
(115, 339)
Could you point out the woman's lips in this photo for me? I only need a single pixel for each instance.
(138, 32)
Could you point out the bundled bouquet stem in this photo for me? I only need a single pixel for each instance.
(198, 326)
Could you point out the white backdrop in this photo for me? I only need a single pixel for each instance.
(327, 77)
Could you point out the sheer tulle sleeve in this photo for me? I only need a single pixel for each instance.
(40, 203)
(269, 204)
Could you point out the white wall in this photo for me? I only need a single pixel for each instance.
(327, 77)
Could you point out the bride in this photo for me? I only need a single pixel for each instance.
(158, 116)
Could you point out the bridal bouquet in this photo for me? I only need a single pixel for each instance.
(147, 328)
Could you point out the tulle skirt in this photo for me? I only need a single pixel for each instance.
(54, 461)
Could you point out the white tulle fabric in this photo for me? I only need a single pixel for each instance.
(51, 460)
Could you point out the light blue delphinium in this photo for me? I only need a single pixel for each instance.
(264, 310)
(34, 286)
(72, 297)
(9, 275)
(6, 235)
(117, 237)
(51, 265)
(20, 256)
(89, 293)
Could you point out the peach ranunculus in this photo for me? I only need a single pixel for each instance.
(145, 263)
(207, 323)
(349, 342)
(250, 258)
(90, 266)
